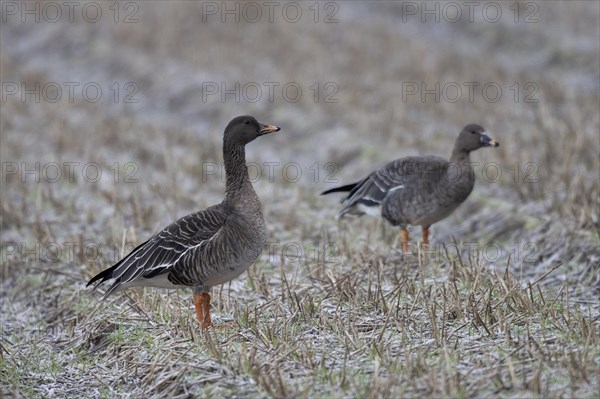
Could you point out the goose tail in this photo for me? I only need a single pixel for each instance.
(341, 189)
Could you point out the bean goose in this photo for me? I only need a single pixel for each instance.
(419, 190)
(206, 248)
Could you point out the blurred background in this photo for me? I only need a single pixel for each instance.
(123, 108)
(112, 117)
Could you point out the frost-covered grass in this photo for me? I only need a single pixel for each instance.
(505, 305)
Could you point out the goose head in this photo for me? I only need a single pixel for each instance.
(244, 129)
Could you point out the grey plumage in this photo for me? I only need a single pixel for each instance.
(418, 190)
(209, 247)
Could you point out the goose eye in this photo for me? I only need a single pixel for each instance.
(247, 122)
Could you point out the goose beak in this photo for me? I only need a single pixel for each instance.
(266, 129)
(486, 141)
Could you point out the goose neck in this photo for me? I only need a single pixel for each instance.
(236, 172)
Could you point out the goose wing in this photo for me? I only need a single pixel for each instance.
(409, 172)
(164, 252)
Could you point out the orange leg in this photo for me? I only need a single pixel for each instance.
(202, 304)
(425, 231)
(404, 235)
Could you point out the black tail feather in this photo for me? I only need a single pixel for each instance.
(346, 188)
(104, 275)
(108, 273)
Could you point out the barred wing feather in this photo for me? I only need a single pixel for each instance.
(162, 253)
(410, 173)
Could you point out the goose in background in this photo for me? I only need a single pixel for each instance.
(419, 190)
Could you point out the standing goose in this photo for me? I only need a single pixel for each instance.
(419, 190)
(205, 248)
